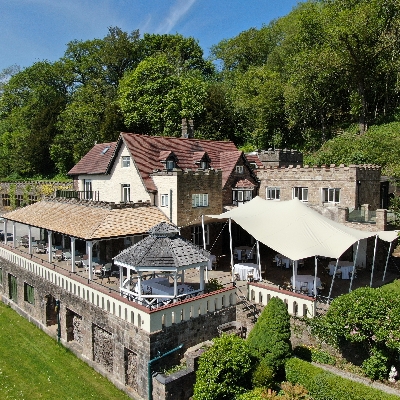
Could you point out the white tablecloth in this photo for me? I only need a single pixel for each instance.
(305, 280)
(245, 268)
(343, 266)
(161, 287)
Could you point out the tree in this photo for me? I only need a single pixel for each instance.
(270, 337)
(156, 96)
(224, 370)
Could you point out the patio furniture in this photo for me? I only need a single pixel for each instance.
(243, 269)
(58, 255)
(41, 249)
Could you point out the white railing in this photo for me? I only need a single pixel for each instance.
(131, 312)
(297, 304)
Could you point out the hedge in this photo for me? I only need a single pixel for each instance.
(324, 385)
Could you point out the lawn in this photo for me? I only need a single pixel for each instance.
(34, 366)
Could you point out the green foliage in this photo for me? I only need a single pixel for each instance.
(377, 365)
(224, 370)
(270, 337)
(214, 284)
(263, 375)
(368, 317)
(395, 208)
(310, 353)
(323, 385)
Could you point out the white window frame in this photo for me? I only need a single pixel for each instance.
(301, 193)
(126, 192)
(203, 164)
(199, 200)
(164, 200)
(125, 161)
(331, 195)
(239, 169)
(241, 195)
(273, 193)
(197, 234)
(87, 188)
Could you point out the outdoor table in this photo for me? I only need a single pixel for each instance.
(306, 281)
(243, 269)
(344, 266)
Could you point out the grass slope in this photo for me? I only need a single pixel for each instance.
(34, 366)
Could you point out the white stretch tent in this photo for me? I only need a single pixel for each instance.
(295, 230)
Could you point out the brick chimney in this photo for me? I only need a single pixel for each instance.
(187, 128)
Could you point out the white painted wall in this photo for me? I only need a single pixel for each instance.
(109, 186)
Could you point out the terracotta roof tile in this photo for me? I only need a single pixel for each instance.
(244, 183)
(146, 151)
(88, 220)
(96, 161)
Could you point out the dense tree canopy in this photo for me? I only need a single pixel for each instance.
(323, 69)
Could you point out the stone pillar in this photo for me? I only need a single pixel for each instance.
(381, 220)
(343, 214)
(365, 209)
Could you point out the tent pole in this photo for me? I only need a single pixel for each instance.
(333, 278)
(315, 277)
(354, 267)
(387, 260)
(230, 241)
(294, 276)
(259, 259)
(373, 261)
(204, 241)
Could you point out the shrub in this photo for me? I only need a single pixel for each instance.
(323, 385)
(263, 375)
(270, 337)
(309, 353)
(377, 365)
(224, 370)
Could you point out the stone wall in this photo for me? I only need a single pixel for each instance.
(358, 184)
(115, 347)
(280, 158)
(17, 194)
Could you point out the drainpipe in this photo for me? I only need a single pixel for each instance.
(149, 380)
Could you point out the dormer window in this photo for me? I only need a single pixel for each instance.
(170, 164)
(204, 164)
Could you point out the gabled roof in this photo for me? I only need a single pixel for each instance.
(244, 183)
(96, 161)
(145, 151)
(88, 220)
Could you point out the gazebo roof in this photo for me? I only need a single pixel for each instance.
(163, 248)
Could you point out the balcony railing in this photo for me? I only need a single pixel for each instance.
(79, 194)
(362, 216)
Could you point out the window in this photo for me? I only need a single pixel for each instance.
(331, 195)
(12, 287)
(301, 193)
(126, 161)
(197, 235)
(170, 164)
(29, 293)
(204, 165)
(164, 200)
(126, 193)
(241, 196)
(273, 193)
(87, 187)
(253, 165)
(239, 169)
(200, 200)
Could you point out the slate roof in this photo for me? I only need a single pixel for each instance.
(149, 151)
(96, 161)
(88, 220)
(161, 249)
